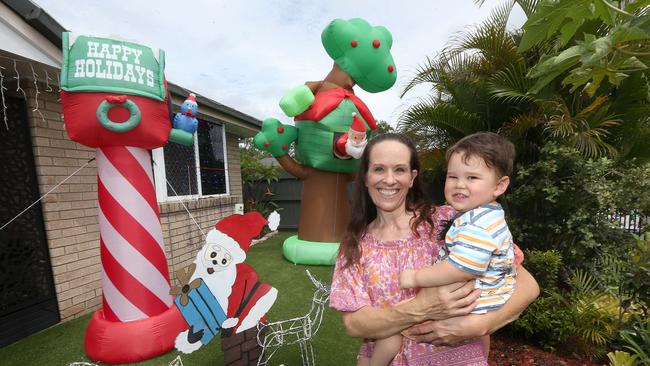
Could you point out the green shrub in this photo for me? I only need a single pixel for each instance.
(636, 283)
(544, 265)
(257, 178)
(637, 341)
(596, 315)
(563, 202)
(582, 320)
(547, 321)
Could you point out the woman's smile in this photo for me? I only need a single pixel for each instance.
(389, 176)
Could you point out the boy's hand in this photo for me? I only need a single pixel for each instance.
(407, 278)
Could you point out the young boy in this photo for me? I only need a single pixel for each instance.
(478, 244)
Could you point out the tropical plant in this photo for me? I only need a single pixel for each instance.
(595, 315)
(627, 277)
(599, 50)
(621, 358)
(257, 178)
(461, 101)
(581, 319)
(564, 201)
(382, 127)
(638, 342)
(252, 167)
(521, 83)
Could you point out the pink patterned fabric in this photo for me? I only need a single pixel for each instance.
(375, 283)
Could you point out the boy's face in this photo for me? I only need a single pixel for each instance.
(471, 183)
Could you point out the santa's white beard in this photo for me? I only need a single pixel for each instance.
(220, 283)
(354, 149)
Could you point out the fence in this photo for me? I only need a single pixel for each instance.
(286, 194)
(633, 222)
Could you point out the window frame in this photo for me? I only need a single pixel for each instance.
(160, 176)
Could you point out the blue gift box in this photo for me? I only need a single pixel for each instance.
(202, 311)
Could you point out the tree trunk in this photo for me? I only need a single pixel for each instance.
(324, 208)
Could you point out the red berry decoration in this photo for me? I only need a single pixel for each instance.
(390, 68)
(376, 43)
(284, 146)
(267, 144)
(280, 129)
(353, 43)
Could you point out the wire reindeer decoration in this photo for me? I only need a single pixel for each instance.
(301, 330)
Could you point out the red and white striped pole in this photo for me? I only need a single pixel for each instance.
(136, 280)
(138, 315)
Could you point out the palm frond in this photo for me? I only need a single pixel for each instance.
(520, 125)
(528, 6)
(490, 39)
(511, 85)
(438, 122)
(443, 71)
(587, 130)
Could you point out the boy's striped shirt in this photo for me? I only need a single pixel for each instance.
(480, 243)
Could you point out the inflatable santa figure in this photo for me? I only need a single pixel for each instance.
(223, 292)
(357, 140)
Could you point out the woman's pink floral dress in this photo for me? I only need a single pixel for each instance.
(375, 283)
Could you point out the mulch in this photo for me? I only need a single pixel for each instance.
(506, 351)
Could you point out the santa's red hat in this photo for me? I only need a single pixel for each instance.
(242, 228)
(191, 98)
(357, 123)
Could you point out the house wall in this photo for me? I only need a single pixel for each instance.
(70, 211)
(183, 238)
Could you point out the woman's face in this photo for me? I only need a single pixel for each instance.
(389, 176)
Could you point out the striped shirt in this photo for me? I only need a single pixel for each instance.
(480, 243)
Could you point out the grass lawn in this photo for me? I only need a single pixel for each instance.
(63, 343)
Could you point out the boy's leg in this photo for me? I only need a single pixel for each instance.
(385, 350)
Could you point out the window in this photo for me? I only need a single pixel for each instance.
(200, 170)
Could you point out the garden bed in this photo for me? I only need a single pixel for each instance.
(506, 351)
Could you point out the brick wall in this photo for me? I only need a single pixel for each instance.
(70, 212)
(183, 239)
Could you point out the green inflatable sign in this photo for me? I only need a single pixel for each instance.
(95, 64)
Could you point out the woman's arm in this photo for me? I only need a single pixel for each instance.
(431, 303)
(451, 331)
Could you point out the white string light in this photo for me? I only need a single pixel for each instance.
(37, 92)
(48, 88)
(2, 92)
(47, 80)
(17, 77)
(58, 84)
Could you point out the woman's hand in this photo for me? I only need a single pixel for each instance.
(448, 332)
(454, 330)
(442, 302)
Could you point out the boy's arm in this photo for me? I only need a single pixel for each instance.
(453, 330)
(442, 273)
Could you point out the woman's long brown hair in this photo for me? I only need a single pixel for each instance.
(363, 210)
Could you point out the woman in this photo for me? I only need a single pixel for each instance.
(393, 228)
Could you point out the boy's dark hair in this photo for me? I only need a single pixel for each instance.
(497, 152)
